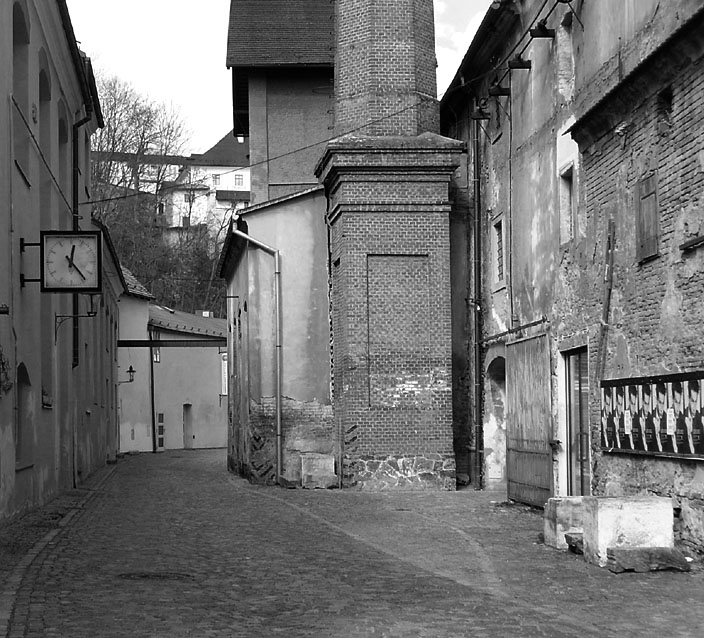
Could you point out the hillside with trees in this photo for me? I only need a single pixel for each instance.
(135, 158)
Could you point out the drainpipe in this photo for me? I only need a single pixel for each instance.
(75, 216)
(279, 353)
(152, 397)
(478, 376)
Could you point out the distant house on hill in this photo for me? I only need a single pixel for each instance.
(209, 188)
(175, 400)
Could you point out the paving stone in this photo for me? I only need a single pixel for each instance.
(172, 545)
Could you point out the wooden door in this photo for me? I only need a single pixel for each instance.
(529, 421)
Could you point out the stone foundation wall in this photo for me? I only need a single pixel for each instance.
(431, 471)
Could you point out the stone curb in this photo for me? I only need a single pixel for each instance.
(8, 594)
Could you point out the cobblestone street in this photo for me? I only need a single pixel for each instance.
(173, 545)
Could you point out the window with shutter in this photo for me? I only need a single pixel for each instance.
(647, 219)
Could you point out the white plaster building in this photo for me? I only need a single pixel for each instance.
(209, 188)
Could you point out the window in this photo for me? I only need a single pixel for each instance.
(647, 219)
(239, 180)
(567, 204)
(497, 246)
(664, 107)
(20, 89)
(24, 421)
(216, 180)
(578, 445)
(189, 198)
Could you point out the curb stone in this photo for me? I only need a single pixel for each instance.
(8, 594)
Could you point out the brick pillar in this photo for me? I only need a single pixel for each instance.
(388, 211)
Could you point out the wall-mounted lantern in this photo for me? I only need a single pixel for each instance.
(497, 90)
(130, 373)
(519, 63)
(541, 30)
(480, 114)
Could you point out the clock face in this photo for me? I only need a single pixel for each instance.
(71, 261)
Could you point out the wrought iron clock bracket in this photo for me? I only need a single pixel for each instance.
(23, 244)
(60, 319)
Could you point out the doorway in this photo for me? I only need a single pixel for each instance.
(188, 435)
(577, 386)
(529, 463)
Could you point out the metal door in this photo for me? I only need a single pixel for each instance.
(529, 420)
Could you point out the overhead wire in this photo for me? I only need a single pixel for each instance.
(41, 153)
(422, 99)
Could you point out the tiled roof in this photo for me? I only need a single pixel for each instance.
(227, 152)
(177, 321)
(264, 33)
(135, 288)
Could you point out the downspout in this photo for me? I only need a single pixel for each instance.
(279, 354)
(477, 305)
(152, 398)
(75, 216)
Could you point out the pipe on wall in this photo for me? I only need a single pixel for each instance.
(477, 293)
(279, 354)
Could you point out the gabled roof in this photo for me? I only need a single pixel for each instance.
(178, 321)
(134, 288)
(227, 152)
(266, 33)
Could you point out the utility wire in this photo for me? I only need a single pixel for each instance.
(41, 153)
(464, 84)
(276, 157)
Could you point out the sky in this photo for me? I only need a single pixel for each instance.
(173, 51)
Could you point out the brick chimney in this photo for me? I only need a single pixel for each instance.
(385, 81)
(387, 179)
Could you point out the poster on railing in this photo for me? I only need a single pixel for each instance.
(653, 415)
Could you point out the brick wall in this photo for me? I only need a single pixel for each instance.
(389, 213)
(656, 319)
(385, 67)
(307, 426)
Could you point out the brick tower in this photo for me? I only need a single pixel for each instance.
(387, 180)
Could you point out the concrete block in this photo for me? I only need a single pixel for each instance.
(317, 470)
(562, 515)
(636, 521)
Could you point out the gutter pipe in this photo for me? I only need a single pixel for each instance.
(279, 351)
(477, 293)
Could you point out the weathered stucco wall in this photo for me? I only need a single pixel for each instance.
(295, 226)
(549, 202)
(187, 387)
(56, 421)
(135, 408)
(656, 318)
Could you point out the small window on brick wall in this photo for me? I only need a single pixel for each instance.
(567, 217)
(665, 105)
(647, 218)
(497, 250)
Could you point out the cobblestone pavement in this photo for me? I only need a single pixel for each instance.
(172, 545)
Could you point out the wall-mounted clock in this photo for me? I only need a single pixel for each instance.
(71, 261)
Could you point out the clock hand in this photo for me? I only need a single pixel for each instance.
(72, 265)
